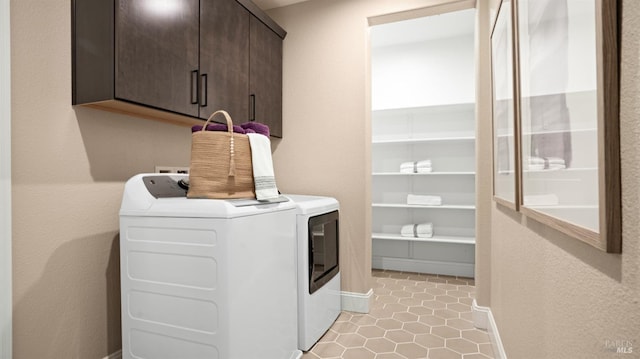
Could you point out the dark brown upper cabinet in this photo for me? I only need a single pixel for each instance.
(265, 81)
(224, 61)
(178, 63)
(156, 53)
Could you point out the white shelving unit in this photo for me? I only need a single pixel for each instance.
(445, 135)
(422, 95)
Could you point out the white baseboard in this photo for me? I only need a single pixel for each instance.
(424, 266)
(356, 302)
(480, 316)
(496, 342)
(483, 319)
(116, 355)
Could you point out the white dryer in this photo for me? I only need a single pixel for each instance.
(205, 278)
(319, 301)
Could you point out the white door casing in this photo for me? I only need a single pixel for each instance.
(5, 183)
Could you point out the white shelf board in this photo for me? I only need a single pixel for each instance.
(570, 169)
(445, 107)
(561, 206)
(572, 131)
(423, 174)
(404, 205)
(549, 170)
(434, 239)
(421, 140)
(550, 132)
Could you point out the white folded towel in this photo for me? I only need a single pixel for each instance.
(555, 160)
(555, 163)
(551, 163)
(423, 166)
(534, 164)
(418, 170)
(556, 167)
(535, 160)
(263, 177)
(424, 230)
(424, 200)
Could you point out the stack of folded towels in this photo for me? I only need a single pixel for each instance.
(535, 164)
(424, 200)
(555, 163)
(424, 230)
(550, 163)
(423, 166)
(245, 128)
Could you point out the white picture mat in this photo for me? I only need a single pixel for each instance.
(559, 109)
(504, 175)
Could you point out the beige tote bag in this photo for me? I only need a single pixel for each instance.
(220, 163)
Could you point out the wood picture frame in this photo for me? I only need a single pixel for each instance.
(567, 55)
(504, 122)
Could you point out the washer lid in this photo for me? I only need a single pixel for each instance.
(314, 204)
(138, 200)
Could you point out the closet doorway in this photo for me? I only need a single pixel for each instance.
(423, 143)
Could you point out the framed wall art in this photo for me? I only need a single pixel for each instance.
(505, 141)
(568, 118)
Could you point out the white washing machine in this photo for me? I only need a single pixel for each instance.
(319, 301)
(205, 278)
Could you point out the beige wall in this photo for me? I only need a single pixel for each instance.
(553, 296)
(70, 165)
(69, 168)
(484, 166)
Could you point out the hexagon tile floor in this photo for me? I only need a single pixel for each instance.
(412, 316)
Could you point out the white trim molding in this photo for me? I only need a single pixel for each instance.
(480, 315)
(483, 319)
(356, 302)
(423, 266)
(116, 355)
(5, 183)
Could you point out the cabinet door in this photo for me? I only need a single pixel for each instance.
(266, 76)
(157, 54)
(224, 59)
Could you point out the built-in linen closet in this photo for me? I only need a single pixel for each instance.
(423, 144)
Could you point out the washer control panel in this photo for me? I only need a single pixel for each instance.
(163, 186)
